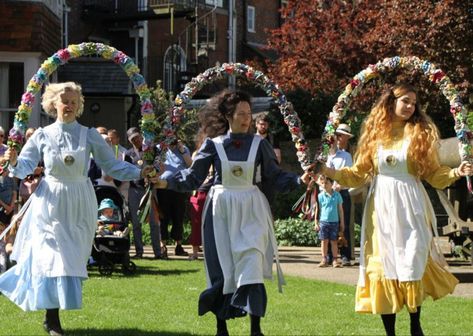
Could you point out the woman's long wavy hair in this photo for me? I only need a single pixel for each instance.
(377, 129)
(213, 117)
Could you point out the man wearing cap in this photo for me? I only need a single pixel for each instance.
(173, 203)
(340, 157)
(135, 194)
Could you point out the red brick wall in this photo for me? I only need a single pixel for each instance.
(29, 27)
(266, 17)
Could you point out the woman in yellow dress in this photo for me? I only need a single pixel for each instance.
(399, 262)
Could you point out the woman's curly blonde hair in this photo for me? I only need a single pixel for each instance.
(53, 92)
(377, 130)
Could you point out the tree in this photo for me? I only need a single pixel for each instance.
(323, 44)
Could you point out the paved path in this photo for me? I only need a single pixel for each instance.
(303, 261)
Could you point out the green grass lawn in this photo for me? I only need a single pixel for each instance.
(161, 299)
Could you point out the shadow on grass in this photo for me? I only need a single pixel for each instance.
(121, 332)
(141, 271)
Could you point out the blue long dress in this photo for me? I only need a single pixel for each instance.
(54, 240)
(239, 242)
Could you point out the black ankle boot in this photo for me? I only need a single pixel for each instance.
(389, 322)
(255, 326)
(52, 324)
(416, 329)
(222, 328)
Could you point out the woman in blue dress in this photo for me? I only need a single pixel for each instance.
(239, 242)
(55, 237)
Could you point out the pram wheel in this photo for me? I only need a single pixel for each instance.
(106, 268)
(129, 268)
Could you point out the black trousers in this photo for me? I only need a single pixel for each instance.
(172, 207)
(346, 251)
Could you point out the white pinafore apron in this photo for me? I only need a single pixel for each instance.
(60, 222)
(243, 224)
(403, 213)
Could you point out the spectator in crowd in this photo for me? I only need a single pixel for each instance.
(29, 132)
(102, 130)
(197, 202)
(8, 196)
(3, 147)
(3, 252)
(136, 192)
(120, 154)
(262, 125)
(340, 157)
(329, 220)
(172, 204)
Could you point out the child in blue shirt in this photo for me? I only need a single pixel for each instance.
(330, 221)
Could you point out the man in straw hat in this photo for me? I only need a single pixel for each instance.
(339, 158)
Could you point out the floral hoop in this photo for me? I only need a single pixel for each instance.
(148, 122)
(291, 119)
(435, 75)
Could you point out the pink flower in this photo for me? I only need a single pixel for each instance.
(64, 55)
(437, 76)
(27, 98)
(354, 83)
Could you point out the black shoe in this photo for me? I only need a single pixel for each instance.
(179, 251)
(138, 256)
(164, 252)
(52, 330)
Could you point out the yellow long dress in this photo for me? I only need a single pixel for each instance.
(375, 292)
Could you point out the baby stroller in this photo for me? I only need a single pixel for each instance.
(110, 250)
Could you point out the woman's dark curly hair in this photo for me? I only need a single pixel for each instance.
(213, 116)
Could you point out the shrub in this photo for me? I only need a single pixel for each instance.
(295, 232)
(282, 205)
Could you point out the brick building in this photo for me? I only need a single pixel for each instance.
(170, 40)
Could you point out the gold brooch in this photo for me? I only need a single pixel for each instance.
(69, 160)
(237, 171)
(391, 160)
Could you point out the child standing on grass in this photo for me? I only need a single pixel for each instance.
(331, 220)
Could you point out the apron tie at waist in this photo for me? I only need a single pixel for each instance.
(234, 188)
(62, 179)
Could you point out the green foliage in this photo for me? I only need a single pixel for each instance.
(162, 102)
(295, 232)
(282, 204)
(312, 109)
(469, 120)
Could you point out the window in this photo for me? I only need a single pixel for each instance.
(219, 3)
(11, 89)
(174, 64)
(250, 19)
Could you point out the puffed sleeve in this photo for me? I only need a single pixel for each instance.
(105, 158)
(191, 178)
(29, 156)
(441, 177)
(352, 177)
(272, 173)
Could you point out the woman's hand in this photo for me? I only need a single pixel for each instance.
(11, 155)
(306, 178)
(464, 169)
(148, 172)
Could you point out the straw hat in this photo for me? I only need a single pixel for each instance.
(344, 129)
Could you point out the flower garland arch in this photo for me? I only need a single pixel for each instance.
(148, 120)
(291, 119)
(412, 63)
